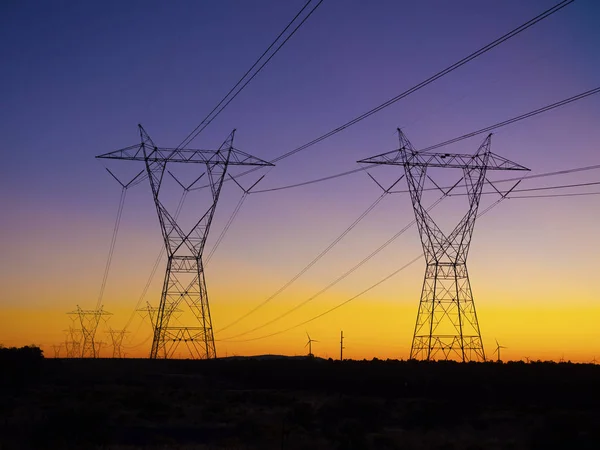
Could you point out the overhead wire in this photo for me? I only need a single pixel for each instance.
(155, 266)
(516, 31)
(370, 208)
(542, 188)
(449, 141)
(206, 121)
(573, 194)
(338, 279)
(287, 284)
(226, 227)
(112, 246)
(370, 288)
(403, 230)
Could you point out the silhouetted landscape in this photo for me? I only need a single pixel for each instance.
(295, 403)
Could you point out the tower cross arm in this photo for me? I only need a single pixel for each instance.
(406, 158)
(183, 155)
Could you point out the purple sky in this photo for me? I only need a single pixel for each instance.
(77, 78)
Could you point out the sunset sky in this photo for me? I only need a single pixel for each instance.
(77, 78)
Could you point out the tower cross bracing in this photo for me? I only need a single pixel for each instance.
(447, 326)
(184, 283)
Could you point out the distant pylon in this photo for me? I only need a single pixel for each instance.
(184, 283)
(73, 342)
(57, 349)
(341, 345)
(116, 339)
(447, 325)
(89, 321)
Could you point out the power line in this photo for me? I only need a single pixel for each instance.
(372, 206)
(373, 286)
(543, 188)
(451, 141)
(226, 227)
(394, 273)
(340, 278)
(206, 121)
(574, 194)
(155, 266)
(309, 265)
(429, 80)
(112, 245)
(389, 241)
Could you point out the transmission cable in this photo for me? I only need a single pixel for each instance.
(541, 188)
(309, 265)
(112, 245)
(226, 227)
(373, 286)
(389, 241)
(156, 263)
(206, 121)
(340, 278)
(450, 141)
(428, 81)
(574, 194)
(370, 208)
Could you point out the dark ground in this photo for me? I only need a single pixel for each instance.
(297, 404)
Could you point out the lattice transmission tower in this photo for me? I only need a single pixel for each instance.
(184, 283)
(446, 325)
(57, 349)
(88, 320)
(116, 340)
(73, 337)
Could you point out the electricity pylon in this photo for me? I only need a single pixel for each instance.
(184, 284)
(89, 321)
(116, 339)
(447, 325)
(73, 342)
(57, 349)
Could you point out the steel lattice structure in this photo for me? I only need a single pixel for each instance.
(446, 325)
(87, 346)
(184, 284)
(73, 342)
(116, 339)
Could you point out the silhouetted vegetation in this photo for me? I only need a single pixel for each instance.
(19, 364)
(299, 403)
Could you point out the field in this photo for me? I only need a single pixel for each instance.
(297, 403)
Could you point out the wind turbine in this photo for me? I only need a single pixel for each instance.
(309, 344)
(498, 347)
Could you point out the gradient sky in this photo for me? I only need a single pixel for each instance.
(77, 77)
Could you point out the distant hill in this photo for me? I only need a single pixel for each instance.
(271, 357)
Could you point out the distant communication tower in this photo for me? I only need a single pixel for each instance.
(447, 325)
(89, 321)
(184, 283)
